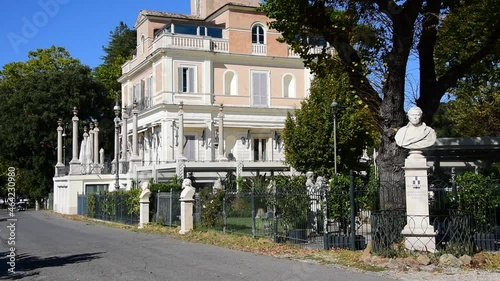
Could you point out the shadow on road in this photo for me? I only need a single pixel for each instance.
(25, 263)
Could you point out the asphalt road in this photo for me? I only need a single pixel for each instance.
(49, 247)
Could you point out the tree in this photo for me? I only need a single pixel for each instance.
(374, 40)
(35, 94)
(308, 133)
(121, 46)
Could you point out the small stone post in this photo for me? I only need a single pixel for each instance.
(187, 206)
(144, 205)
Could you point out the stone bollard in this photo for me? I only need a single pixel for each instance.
(144, 204)
(186, 206)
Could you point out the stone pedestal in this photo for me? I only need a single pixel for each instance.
(419, 234)
(144, 205)
(187, 201)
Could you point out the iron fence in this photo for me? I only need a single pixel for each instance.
(165, 208)
(348, 214)
(112, 206)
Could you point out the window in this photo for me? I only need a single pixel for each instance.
(190, 147)
(96, 188)
(258, 34)
(259, 149)
(214, 32)
(260, 88)
(230, 83)
(186, 29)
(150, 88)
(288, 86)
(186, 79)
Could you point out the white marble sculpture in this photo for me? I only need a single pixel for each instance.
(415, 135)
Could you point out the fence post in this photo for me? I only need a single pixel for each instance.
(275, 212)
(157, 205)
(324, 193)
(224, 215)
(252, 195)
(353, 211)
(454, 188)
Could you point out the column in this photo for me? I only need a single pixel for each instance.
(91, 144)
(222, 157)
(135, 144)
(60, 165)
(59, 143)
(75, 165)
(180, 151)
(124, 156)
(96, 142)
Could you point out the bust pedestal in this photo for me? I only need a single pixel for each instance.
(419, 234)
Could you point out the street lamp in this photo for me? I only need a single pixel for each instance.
(333, 108)
(117, 110)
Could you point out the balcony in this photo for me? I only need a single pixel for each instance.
(181, 42)
(259, 49)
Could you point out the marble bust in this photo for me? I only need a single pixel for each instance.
(415, 135)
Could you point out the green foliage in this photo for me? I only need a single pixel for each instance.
(478, 195)
(174, 184)
(121, 45)
(308, 133)
(292, 201)
(104, 204)
(35, 94)
(211, 215)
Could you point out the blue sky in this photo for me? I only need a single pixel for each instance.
(80, 26)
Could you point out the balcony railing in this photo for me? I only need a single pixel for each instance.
(180, 41)
(259, 49)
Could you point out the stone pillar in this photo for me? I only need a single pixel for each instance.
(85, 161)
(59, 143)
(187, 201)
(135, 158)
(96, 143)
(124, 136)
(74, 164)
(60, 165)
(180, 150)
(144, 205)
(135, 144)
(91, 144)
(101, 156)
(221, 157)
(419, 233)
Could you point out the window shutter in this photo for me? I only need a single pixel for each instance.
(191, 80)
(179, 81)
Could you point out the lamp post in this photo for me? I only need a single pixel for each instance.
(333, 108)
(117, 110)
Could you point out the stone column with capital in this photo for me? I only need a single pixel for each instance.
(91, 143)
(124, 156)
(180, 149)
(60, 164)
(135, 159)
(96, 142)
(75, 164)
(221, 157)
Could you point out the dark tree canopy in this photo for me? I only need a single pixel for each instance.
(35, 94)
(120, 48)
(375, 38)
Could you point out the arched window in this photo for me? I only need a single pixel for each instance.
(258, 35)
(288, 86)
(230, 83)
